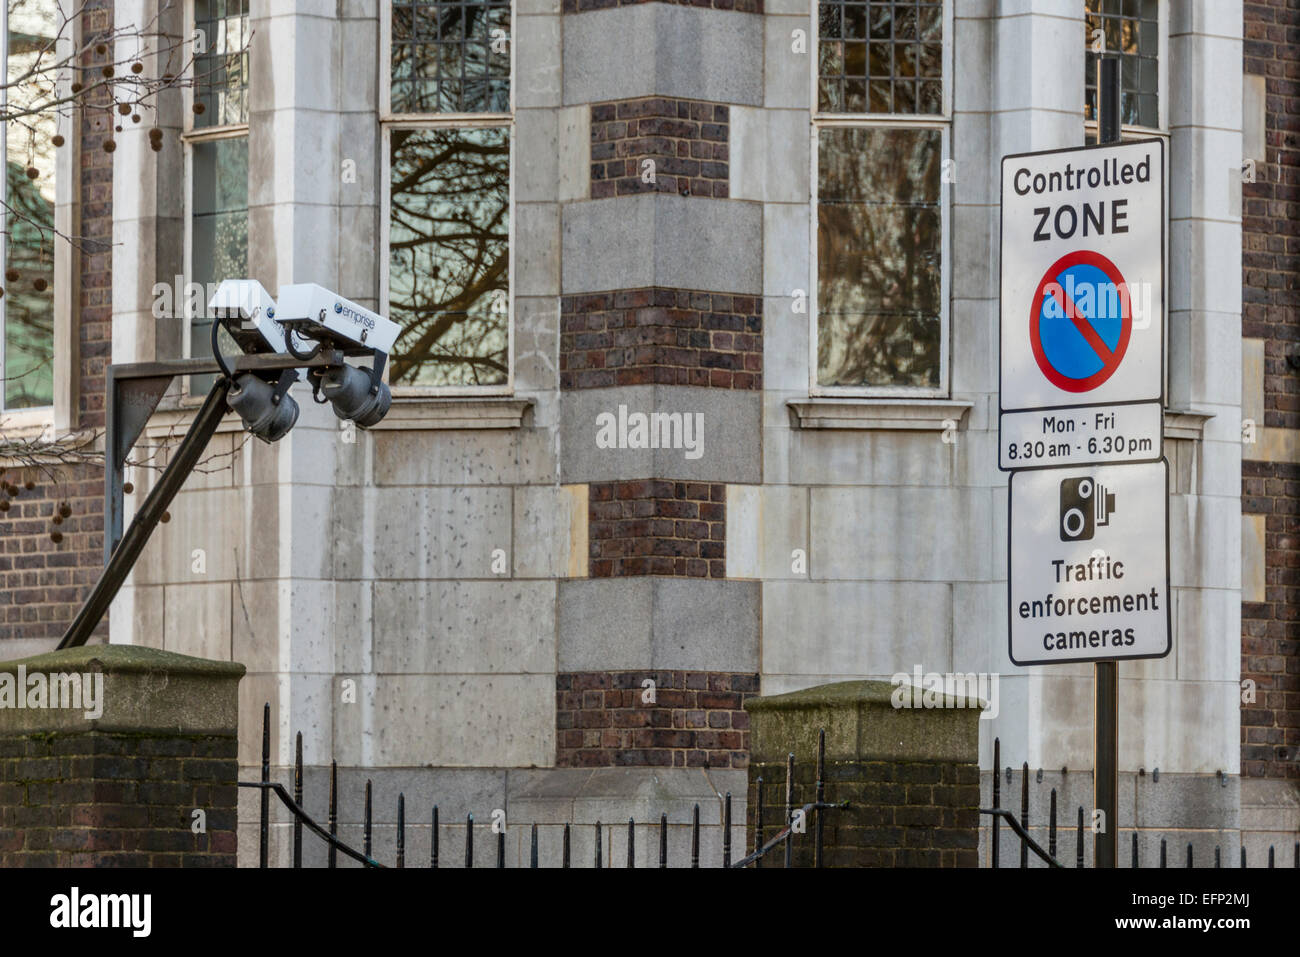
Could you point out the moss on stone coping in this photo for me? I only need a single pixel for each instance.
(861, 723)
(125, 659)
(143, 690)
(845, 694)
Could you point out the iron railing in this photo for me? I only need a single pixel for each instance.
(1020, 828)
(783, 838)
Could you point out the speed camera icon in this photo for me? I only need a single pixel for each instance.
(1085, 505)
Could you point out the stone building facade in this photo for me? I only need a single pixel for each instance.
(521, 591)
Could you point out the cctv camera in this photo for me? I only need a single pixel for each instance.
(319, 314)
(266, 411)
(306, 319)
(247, 311)
(355, 394)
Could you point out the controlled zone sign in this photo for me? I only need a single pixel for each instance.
(1082, 301)
(1089, 567)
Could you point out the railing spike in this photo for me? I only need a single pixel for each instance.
(726, 831)
(433, 839)
(297, 799)
(695, 837)
(997, 800)
(334, 811)
(263, 847)
(401, 829)
(368, 822)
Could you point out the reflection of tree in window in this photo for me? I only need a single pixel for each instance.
(879, 256)
(1129, 28)
(219, 233)
(443, 59)
(28, 302)
(223, 66)
(449, 255)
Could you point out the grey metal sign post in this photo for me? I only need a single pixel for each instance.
(1081, 416)
(1105, 674)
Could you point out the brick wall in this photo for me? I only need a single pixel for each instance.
(900, 814)
(43, 582)
(95, 799)
(1270, 652)
(697, 719)
(1270, 726)
(657, 336)
(684, 140)
(653, 527)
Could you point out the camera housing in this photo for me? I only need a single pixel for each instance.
(247, 312)
(306, 319)
(316, 313)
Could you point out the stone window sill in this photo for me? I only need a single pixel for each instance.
(915, 415)
(407, 412)
(456, 412)
(1186, 424)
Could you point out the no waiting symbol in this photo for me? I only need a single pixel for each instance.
(1080, 321)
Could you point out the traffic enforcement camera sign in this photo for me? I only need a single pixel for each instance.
(1082, 367)
(1089, 572)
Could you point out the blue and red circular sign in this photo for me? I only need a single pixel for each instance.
(1080, 321)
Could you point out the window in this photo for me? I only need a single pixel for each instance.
(216, 163)
(27, 309)
(880, 141)
(448, 133)
(1131, 28)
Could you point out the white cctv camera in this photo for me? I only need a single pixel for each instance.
(306, 319)
(247, 312)
(309, 311)
(316, 313)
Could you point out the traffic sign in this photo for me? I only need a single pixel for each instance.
(1081, 354)
(1089, 567)
(1082, 304)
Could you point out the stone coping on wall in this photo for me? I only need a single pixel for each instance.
(862, 723)
(144, 690)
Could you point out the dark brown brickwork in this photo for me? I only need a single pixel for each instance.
(900, 814)
(42, 583)
(655, 527)
(95, 799)
(1270, 726)
(740, 6)
(657, 336)
(697, 719)
(686, 140)
(1270, 652)
(96, 300)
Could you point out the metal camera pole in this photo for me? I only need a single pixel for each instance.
(134, 391)
(1105, 674)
